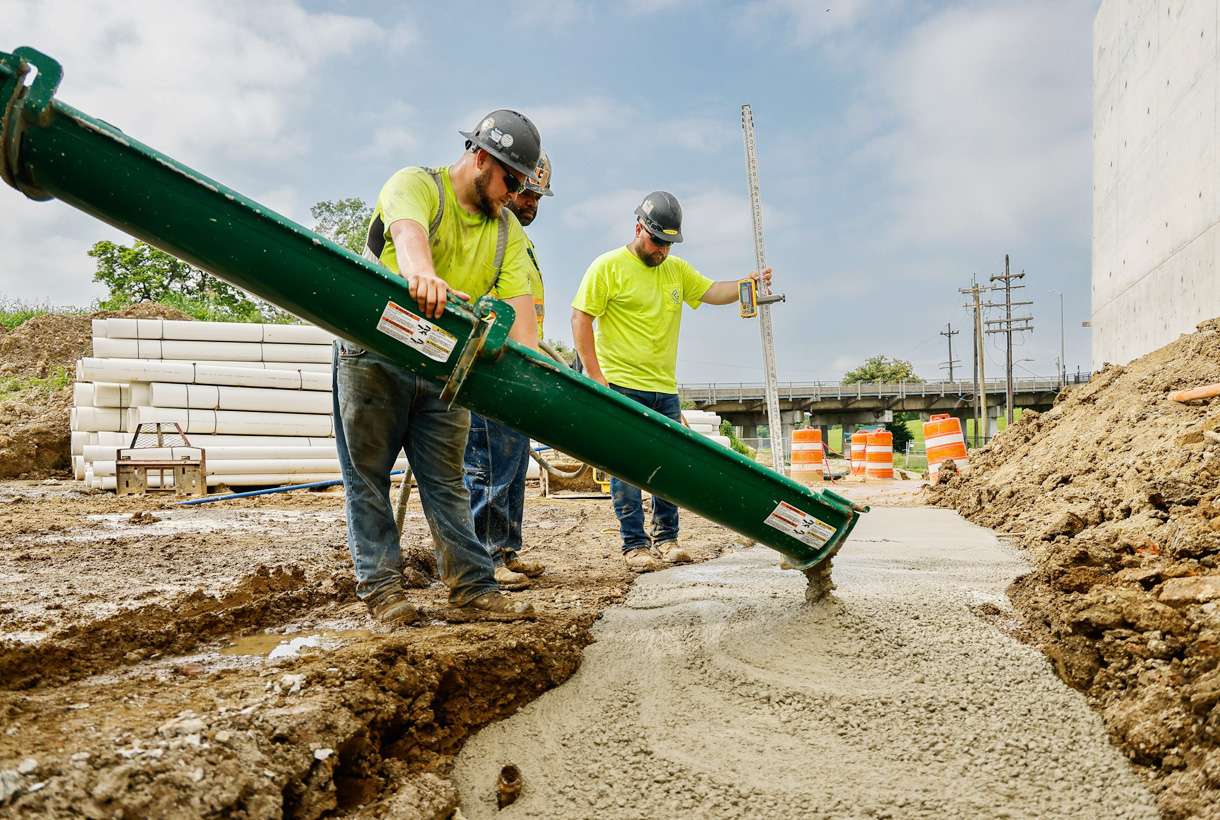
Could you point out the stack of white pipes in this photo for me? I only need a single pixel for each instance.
(707, 423)
(255, 398)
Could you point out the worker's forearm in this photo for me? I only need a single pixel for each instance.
(411, 247)
(582, 338)
(525, 328)
(721, 293)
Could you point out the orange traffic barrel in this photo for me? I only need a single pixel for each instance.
(943, 439)
(880, 454)
(859, 450)
(808, 460)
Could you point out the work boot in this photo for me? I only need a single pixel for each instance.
(671, 553)
(393, 609)
(510, 580)
(493, 603)
(641, 560)
(531, 568)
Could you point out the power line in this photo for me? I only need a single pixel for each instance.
(1009, 324)
(949, 333)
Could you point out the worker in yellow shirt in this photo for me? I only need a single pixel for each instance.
(442, 230)
(635, 295)
(497, 456)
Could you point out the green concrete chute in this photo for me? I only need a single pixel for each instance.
(51, 150)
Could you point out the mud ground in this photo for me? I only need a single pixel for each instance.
(211, 661)
(708, 694)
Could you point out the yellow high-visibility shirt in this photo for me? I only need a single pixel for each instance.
(639, 313)
(464, 244)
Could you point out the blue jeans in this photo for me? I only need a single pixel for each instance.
(629, 501)
(380, 409)
(497, 458)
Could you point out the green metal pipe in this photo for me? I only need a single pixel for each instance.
(50, 149)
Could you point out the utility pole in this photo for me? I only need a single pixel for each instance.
(1009, 324)
(980, 375)
(774, 424)
(949, 333)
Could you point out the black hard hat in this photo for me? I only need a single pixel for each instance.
(662, 216)
(509, 137)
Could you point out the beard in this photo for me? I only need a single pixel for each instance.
(652, 260)
(525, 215)
(489, 207)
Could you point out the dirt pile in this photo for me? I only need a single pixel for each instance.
(1115, 493)
(36, 364)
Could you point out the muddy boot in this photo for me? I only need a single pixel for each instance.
(530, 568)
(393, 609)
(510, 580)
(671, 553)
(641, 560)
(495, 604)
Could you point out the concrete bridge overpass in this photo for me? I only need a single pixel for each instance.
(827, 404)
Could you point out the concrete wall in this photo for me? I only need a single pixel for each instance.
(1156, 197)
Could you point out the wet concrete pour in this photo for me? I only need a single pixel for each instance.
(711, 691)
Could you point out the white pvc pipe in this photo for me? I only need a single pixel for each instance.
(297, 335)
(95, 419)
(201, 440)
(247, 374)
(82, 394)
(78, 467)
(313, 466)
(233, 422)
(212, 397)
(109, 452)
(79, 441)
(111, 394)
(119, 328)
(186, 350)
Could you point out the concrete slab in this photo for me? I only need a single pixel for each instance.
(712, 692)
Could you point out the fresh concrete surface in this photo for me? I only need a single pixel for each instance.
(713, 692)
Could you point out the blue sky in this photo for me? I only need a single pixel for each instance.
(904, 146)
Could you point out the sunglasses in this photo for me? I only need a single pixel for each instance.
(656, 240)
(511, 183)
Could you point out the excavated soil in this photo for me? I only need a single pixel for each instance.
(212, 661)
(34, 433)
(1114, 493)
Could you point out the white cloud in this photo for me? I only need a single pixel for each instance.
(219, 86)
(992, 139)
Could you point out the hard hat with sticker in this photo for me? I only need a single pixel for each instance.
(509, 137)
(661, 216)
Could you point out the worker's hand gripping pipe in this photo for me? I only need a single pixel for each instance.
(50, 149)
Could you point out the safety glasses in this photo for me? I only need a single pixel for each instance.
(511, 183)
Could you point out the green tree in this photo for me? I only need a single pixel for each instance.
(344, 221)
(882, 369)
(140, 272)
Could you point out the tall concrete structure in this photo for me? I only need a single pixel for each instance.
(1156, 194)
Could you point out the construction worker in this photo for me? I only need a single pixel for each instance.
(497, 456)
(635, 294)
(443, 230)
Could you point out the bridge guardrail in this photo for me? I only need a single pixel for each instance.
(818, 390)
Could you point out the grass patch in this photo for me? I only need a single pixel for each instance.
(30, 387)
(14, 313)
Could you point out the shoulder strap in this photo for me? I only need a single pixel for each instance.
(501, 241)
(440, 197)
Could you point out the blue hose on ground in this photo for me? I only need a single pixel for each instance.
(287, 488)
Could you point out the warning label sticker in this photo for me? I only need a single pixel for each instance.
(417, 332)
(799, 524)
